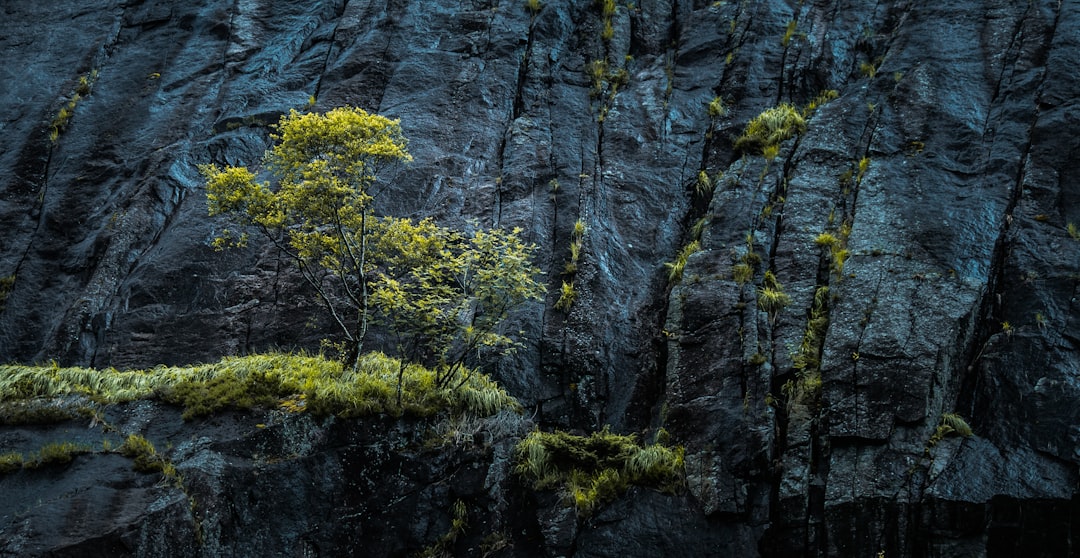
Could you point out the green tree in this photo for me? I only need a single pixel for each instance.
(443, 294)
(446, 295)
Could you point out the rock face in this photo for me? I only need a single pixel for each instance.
(945, 170)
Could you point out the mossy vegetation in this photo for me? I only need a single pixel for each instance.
(596, 469)
(327, 387)
(771, 296)
(951, 425)
(60, 121)
(717, 108)
(805, 388)
(567, 295)
(771, 128)
(56, 453)
(459, 522)
(675, 268)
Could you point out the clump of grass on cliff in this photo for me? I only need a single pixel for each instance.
(768, 129)
(596, 469)
(296, 382)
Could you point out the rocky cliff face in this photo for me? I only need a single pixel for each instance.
(944, 170)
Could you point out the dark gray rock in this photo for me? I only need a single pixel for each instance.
(959, 224)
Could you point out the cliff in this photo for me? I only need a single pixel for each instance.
(942, 172)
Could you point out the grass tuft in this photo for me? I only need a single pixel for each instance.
(596, 469)
(266, 380)
(770, 128)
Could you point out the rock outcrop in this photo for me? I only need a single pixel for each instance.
(943, 170)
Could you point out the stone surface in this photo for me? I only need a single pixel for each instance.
(958, 225)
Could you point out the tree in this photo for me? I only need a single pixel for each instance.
(443, 294)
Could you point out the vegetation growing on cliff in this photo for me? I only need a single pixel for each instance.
(444, 294)
(596, 469)
(300, 382)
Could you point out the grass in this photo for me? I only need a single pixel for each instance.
(704, 185)
(675, 268)
(717, 108)
(263, 379)
(951, 425)
(771, 295)
(596, 469)
(770, 128)
(59, 453)
(567, 296)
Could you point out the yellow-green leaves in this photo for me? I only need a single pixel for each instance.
(442, 293)
(770, 128)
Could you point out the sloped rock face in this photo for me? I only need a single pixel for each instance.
(945, 166)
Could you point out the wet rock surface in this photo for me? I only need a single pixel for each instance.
(946, 168)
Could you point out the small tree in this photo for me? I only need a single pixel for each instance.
(443, 294)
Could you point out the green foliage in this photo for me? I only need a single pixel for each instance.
(1070, 228)
(771, 296)
(742, 273)
(58, 453)
(788, 33)
(821, 99)
(444, 294)
(951, 425)
(7, 284)
(717, 108)
(595, 469)
(459, 521)
(326, 385)
(868, 69)
(60, 121)
(533, 6)
(320, 214)
(771, 127)
(704, 185)
(698, 229)
(957, 423)
(806, 387)
(567, 296)
(675, 268)
(10, 462)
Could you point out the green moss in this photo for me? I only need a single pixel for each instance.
(595, 469)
